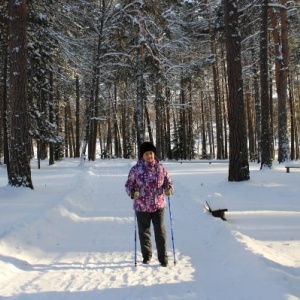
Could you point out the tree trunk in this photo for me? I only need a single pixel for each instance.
(252, 148)
(281, 77)
(219, 131)
(140, 76)
(19, 171)
(51, 118)
(87, 130)
(58, 145)
(5, 100)
(77, 147)
(117, 132)
(217, 101)
(266, 160)
(190, 131)
(210, 127)
(283, 142)
(238, 153)
(71, 130)
(108, 147)
(66, 128)
(94, 109)
(183, 122)
(292, 121)
(148, 122)
(225, 97)
(257, 108)
(168, 123)
(203, 131)
(158, 115)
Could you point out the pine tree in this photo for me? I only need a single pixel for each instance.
(19, 171)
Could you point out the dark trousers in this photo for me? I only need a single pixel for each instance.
(144, 221)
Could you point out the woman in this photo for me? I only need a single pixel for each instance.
(147, 183)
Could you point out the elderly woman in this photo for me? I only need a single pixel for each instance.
(147, 184)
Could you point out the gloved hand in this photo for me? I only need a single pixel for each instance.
(135, 195)
(169, 191)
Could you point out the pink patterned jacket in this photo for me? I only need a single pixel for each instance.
(150, 180)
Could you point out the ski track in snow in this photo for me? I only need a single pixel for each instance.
(81, 246)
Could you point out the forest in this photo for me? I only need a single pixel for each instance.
(202, 79)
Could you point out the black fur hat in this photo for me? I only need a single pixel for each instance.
(147, 146)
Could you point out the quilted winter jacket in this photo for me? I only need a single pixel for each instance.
(150, 180)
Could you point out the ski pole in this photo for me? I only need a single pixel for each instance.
(171, 221)
(135, 235)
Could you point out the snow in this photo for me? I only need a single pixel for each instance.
(72, 237)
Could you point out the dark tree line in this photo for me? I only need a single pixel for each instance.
(201, 79)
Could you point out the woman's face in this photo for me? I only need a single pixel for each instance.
(149, 156)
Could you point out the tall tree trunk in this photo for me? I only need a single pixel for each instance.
(271, 115)
(219, 131)
(225, 99)
(5, 99)
(297, 152)
(190, 131)
(168, 122)
(257, 107)
(66, 128)
(217, 101)
(158, 115)
(94, 106)
(87, 128)
(19, 171)
(140, 75)
(293, 121)
(125, 125)
(51, 118)
(210, 127)
(108, 148)
(148, 124)
(117, 131)
(203, 131)
(266, 160)
(252, 148)
(183, 123)
(58, 145)
(238, 153)
(77, 121)
(283, 142)
(281, 76)
(71, 130)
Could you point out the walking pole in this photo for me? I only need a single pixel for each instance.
(171, 221)
(134, 236)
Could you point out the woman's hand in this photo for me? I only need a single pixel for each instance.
(169, 191)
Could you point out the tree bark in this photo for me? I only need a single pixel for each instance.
(140, 75)
(51, 118)
(281, 76)
(77, 147)
(19, 171)
(238, 153)
(266, 160)
(5, 100)
(283, 142)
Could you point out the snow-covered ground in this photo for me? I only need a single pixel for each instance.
(72, 237)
